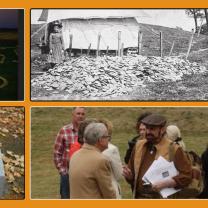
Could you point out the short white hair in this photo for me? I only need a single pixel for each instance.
(94, 132)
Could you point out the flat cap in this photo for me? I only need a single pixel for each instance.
(154, 120)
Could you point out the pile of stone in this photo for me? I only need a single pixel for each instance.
(108, 77)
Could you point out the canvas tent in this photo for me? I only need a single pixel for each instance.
(86, 24)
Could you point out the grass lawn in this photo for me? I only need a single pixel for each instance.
(46, 122)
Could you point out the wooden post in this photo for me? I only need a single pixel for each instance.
(70, 44)
(81, 51)
(119, 43)
(107, 50)
(88, 50)
(46, 34)
(140, 34)
(98, 45)
(161, 44)
(190, 43)
(122, 49)
(171, 50)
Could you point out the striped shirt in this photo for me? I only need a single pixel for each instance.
(66, 136)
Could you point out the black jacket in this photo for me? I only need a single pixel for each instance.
(131, 144)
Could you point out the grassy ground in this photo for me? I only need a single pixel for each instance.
(46, 122)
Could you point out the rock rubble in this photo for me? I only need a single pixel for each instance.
(107, 77)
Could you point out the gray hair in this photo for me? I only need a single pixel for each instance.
(74, 108)
(94, 132)
(174, 134)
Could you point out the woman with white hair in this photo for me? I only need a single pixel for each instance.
(174, 134)
(113, 155)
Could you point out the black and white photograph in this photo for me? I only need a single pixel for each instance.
(119, 54)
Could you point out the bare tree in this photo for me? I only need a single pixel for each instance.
(206, 17)
(195, 13)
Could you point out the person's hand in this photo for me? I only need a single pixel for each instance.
(127, 173)
(166, 183)
(62, 51)
(63, 173)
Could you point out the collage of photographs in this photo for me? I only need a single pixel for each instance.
(103, 104)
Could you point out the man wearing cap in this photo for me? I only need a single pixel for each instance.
(149, 149)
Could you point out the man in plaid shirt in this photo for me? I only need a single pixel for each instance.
(66, 136)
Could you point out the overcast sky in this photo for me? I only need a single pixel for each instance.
(169, 18)
(164, 17)
(8, 18)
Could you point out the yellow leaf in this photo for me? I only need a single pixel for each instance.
(10, 153)
(6, 159)
(2, 134)
(16, 174)
(4, 130)
(15, 189)
(10, 178)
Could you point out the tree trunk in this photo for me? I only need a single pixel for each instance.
(206, 17)
(195, 20)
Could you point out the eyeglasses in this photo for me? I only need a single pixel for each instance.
(108, 137)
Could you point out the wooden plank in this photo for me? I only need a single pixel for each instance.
(88, 50)
(171, 50)
(98, 45)
(70, 44)
(119, 43)
(161, 44)
(190, 44)
(140, 35)
(107, 50)
(122, 49)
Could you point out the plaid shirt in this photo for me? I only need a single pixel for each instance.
(66, 136)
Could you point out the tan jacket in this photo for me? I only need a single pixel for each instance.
(90, 175)
(162, 149)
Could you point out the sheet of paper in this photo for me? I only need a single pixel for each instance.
(168, 192)
(161, 169)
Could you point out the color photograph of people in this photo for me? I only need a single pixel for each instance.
(119, 153)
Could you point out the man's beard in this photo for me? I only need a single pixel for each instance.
(151, 138)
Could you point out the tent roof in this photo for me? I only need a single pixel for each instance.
(50, 15)
(86, 24)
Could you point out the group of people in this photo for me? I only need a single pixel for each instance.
(90, 166)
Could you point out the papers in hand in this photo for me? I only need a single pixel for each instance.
(160, 170)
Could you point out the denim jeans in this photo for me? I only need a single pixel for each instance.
(64, 187)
